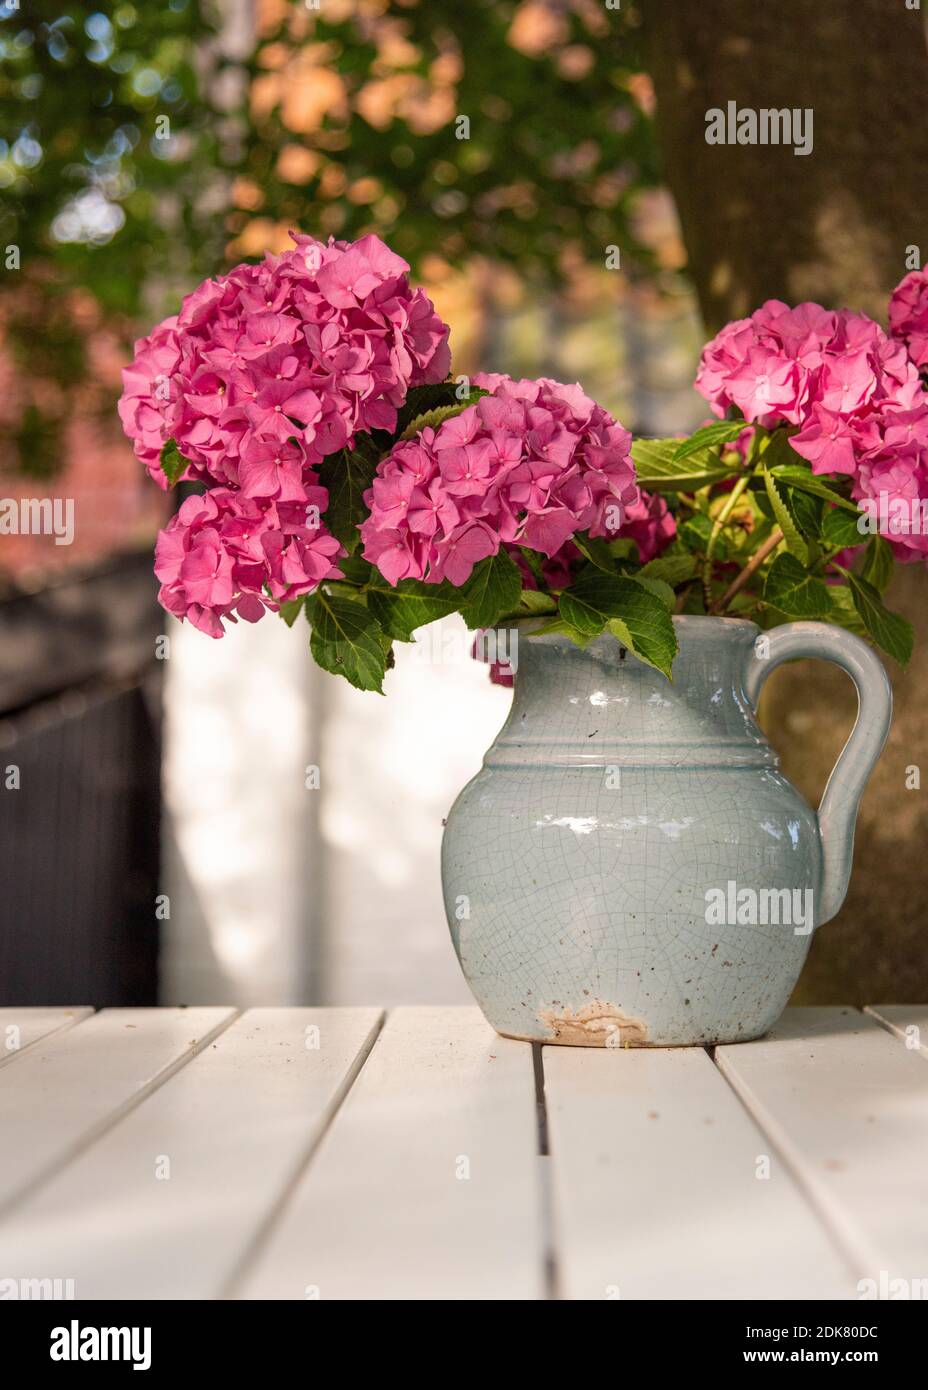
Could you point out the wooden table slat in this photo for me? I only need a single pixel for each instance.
(848, 1109)
(909, 1023)
(169, 1202)
(426, 1185)
(193, 1153)
(68, 1088)
(656, 1191)
(21, 1028)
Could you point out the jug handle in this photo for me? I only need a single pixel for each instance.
(837, 814)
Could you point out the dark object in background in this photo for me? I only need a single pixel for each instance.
(80, 694)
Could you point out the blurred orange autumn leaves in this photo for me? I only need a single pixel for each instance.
(501, 146)
(516, 131)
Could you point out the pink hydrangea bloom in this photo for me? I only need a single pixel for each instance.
(908, 315)
(313, 345)
(263, 373)
(892, 483)
(531, 465)
(854, 392)
(650, 524)
(225, 555)
(781, 364)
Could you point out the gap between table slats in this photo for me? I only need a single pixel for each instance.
(656, 1186)
(426, 1185)
(69, 1088)
(847, 1107)
(22, 1028)
(909, 1023)
(170, 1202)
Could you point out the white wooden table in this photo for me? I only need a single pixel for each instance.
(344, 1153)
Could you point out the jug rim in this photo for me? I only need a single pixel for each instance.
(690, 625)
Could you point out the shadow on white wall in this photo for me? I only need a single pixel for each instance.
(282, 892)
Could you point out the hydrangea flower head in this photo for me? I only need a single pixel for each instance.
(530, 464)
(908, 316)
(263, 373)
(225, 555)
(853, 392)
(313, 345)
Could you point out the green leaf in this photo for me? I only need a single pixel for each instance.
(807, 510)
(410, 605)
(794, 541)
(347, 475)
(708, 438)
(646, 629)
(347, 640)
(776, 449)
(532, 601)
(533, 560)
(659, 587)
(839, 529)
(878, 563)
(696, 532)
(290, 610)
(592, 599)
(658, 470)
(797, 476)
(891, 632)
(694, 600)
(842, 611)
(492, 591)
(173, 463)
(794, 591)
(355, 569)
(431, 419)
(562, 629)
(623, 548)
(673, 569)
(596, 601)
(596, 551)
(423, 399)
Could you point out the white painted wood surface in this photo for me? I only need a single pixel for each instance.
(846, 1105)
(195, 1154)
(67, 1089)
(909, 1022)
(427, 1185)
(171, 1200)
(663, 1187)
(20, 1028)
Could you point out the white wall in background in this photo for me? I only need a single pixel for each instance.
(238, 833)
(282, 894)
(391, 769)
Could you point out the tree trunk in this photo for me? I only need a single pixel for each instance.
(761, 222)
(835, 226)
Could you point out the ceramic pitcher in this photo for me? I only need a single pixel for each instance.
(630, 867)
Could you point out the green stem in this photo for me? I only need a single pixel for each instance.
(724, 513)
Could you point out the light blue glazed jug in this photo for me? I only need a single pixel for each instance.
(629, 867)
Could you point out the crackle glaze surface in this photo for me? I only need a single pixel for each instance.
(576, 864)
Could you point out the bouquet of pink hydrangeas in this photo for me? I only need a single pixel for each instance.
(335, 469)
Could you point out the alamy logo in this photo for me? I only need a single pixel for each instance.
(732, 906)
(38, 516)
(893, 516)
(764, 126)
(886, 1289)
(76, 1343)
(35, 1290)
